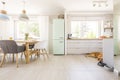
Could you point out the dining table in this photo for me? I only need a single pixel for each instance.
(28, 52)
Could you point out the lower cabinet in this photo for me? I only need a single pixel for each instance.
(82, 46)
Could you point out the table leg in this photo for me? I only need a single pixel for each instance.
(27, 53)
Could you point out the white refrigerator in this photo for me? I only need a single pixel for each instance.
(58, 36)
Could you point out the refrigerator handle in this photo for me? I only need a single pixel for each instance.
(61, 41)
(61, 37)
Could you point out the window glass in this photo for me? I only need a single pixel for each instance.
(31, 27)
(85, 29)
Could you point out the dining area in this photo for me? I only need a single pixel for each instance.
(22, 40)
(20, 48)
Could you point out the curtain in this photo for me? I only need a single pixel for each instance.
(44, 29)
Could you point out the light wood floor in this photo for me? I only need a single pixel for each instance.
(70, 67)
(117, 62)
(117, 65)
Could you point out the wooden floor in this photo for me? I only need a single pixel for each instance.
(117, 65)
(70, 67)
(117, 62)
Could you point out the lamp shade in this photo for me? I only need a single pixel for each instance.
(4, 17)
(3, 14)
(23, 16)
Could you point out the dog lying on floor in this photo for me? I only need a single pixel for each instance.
(97, 55)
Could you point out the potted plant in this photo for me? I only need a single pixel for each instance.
(26, 36)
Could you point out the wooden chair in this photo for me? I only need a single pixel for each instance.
(10, 47)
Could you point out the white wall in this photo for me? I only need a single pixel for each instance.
(116, 27)
(50, 32)
(88, 16)
(6, 29)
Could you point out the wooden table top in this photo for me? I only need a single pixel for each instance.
(27, 41)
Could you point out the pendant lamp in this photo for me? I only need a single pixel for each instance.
(23, 16)
(3, 13)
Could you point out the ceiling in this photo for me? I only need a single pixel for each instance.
(37, 7)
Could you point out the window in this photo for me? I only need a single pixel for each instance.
(31, 27)
(85, 29)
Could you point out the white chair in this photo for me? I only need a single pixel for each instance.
(40, 48)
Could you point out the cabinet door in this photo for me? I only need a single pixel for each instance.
(58, 29)
(58, 46)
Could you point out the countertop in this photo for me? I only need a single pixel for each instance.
(88, 39)
(84, 39)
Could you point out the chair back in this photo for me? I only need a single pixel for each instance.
(8, 46)
(40, 45)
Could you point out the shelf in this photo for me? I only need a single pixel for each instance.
(111, 28)
(108, 28)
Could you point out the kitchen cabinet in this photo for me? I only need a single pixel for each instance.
(83, 46)
(108, 52)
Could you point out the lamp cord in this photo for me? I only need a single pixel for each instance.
(3, 2)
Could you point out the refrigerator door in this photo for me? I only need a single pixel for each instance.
(58, 29)
(58, 46)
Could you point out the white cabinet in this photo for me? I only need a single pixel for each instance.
(108, 52)
(82, 46)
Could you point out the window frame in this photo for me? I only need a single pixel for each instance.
(100, 20)
(16, 29)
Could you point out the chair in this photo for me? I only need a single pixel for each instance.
(40, 48)
(10, 47)
(31, 46)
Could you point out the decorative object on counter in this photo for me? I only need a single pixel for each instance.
(10, 38)
(102, 37)
(61, 16)
(26, 36)
(3, 13)
(69, 36)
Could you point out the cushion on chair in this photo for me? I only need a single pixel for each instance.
(21, 49)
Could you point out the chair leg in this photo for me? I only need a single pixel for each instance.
(17, 60)
(22, 55)
(13, 57)
(43, 53)
(3, 58)
(46, 53)
(38, 53)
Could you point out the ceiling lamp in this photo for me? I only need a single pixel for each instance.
(100, 3)
(23, 16)
(3, 13)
